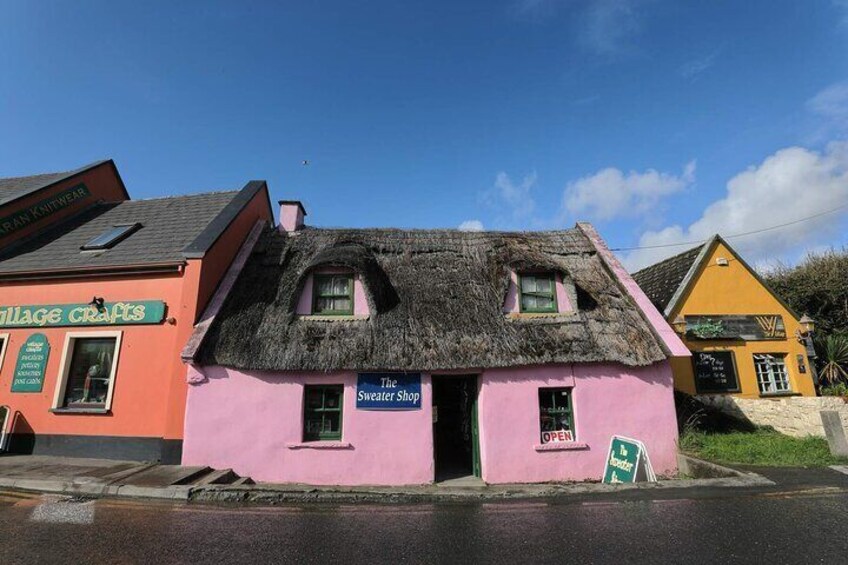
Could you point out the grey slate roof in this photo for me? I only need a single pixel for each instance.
(661, 280)
(168, 226)
(12, 188)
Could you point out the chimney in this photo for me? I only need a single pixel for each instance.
(291, 215)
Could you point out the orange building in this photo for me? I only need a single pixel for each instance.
(98, 295)
(745, 340)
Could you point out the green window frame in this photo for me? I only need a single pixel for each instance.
(555, 410)
(332, 294)
(322, 412)
(537, 293)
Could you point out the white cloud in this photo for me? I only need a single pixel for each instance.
(791, 184)
(603, 27)
(608, 26)
(842, 7)
(691, 69)
(830, 106)
(513, 201)
(471, 225)
(611, 193)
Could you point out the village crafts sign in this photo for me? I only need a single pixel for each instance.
(32, 362)
(58, 315)
(31, 214)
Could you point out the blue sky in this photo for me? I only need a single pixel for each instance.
(659, 121)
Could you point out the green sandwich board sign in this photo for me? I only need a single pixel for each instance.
(627, 461)
(58, 315)
(32, 362)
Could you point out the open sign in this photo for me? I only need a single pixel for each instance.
(557, 436)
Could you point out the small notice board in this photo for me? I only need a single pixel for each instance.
(627, 462)
(715, 371)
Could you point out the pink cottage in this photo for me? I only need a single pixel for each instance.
(400, 357)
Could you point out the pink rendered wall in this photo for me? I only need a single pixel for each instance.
(607, 399)
(511, 305)
(360, 301)
(252, 423)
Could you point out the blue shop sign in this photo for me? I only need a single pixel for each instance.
(388, 391)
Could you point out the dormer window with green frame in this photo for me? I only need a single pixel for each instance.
(537, 293)
(332, 294)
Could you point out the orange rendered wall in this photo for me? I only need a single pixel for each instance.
(144, 367)
(201, 280)
(150, 387)
(102, 181)
(733, 289)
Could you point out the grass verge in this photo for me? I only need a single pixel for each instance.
(761, 447)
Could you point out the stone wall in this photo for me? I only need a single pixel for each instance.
(796, 416)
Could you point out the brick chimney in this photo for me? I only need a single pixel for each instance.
(291, 215)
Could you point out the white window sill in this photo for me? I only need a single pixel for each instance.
(562, 446)
(101, 411)
(319, 445)
(331, 318)
(531, 315)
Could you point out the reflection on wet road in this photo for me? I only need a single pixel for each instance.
(793, 528)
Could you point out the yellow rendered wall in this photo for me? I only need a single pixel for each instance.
(732, 289)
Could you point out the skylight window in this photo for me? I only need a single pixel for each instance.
(111, 237)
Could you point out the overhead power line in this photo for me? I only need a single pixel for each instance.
(735, 235)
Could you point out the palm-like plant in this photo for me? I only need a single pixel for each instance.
(835, 358)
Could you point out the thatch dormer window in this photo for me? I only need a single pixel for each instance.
(332, 294)
(537, 293)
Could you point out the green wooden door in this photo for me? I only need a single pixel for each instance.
(475, 434)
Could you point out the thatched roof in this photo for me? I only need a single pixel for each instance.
(436, 301)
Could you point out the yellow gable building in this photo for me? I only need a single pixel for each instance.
(745, 340)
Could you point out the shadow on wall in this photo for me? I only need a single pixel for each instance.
(21, 436)
(694, 415)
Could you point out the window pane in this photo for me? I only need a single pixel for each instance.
(543, 285)
(528, 283)
(324, 285)
(340, 285)
(332, 398)
(528, 302)
(341, 304)
(89, 374)
(332, 422)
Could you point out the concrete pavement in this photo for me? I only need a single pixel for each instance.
(105, 478)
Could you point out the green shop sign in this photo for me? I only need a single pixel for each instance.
(31, 214)
(627, 462)
(57, 315)
(32, 362)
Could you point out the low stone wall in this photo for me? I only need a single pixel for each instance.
(796, 416)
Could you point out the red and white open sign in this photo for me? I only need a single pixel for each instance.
(559, 435)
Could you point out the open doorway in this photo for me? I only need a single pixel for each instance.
(455, 437)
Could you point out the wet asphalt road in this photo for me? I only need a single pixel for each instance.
(799, 527)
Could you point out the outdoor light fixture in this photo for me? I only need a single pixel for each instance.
(97, 303)
(808, 326)
(679, 324)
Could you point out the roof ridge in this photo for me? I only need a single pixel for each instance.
(189, 195)
(672, 258)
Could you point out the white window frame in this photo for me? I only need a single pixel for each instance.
(771, 375)
(65, 366)
(3, 347)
